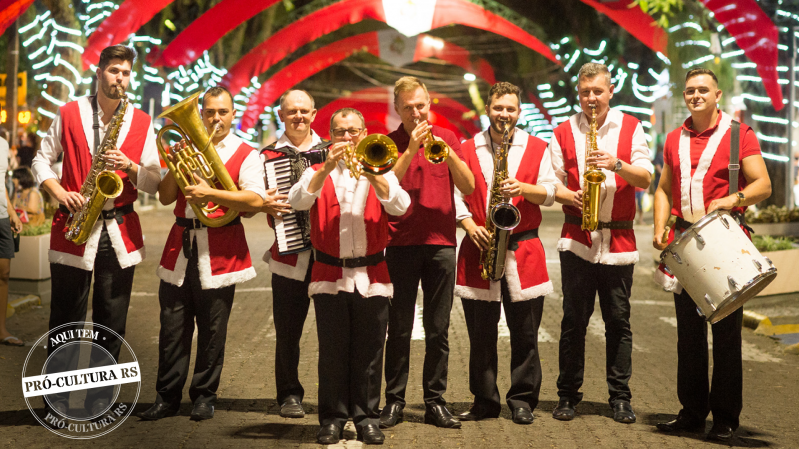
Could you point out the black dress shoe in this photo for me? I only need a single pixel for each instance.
(623, 412)
(292, 408)
(329, 434)
(158, 411)
(523, 415)
(682, 424)
(391, 415)
(202, 411)
(720, 432)
(477, 413)
(371, 434)
(564, 411)
(440, 416)
(99, 406)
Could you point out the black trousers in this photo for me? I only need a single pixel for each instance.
(582, 280)
(698, 398)
(180, 307)
(110, 301)
(435, 267)
(523, 318)
(351, 331)
(290, 304)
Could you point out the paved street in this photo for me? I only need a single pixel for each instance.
(247, 413)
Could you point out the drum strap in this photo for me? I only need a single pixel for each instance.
(734, 167)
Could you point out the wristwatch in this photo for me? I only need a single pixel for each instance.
(741, 198)
(616, 166)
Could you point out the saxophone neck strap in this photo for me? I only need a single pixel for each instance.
(95, 123)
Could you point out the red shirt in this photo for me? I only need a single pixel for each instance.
(716, 182)
(430, 219)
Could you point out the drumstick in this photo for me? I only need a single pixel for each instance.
(666, 235)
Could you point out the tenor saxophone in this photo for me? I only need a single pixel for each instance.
(100, 184)
(502, 217)
(592, 180)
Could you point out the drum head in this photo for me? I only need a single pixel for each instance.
(737, 299)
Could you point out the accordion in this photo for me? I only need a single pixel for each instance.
(293, 230)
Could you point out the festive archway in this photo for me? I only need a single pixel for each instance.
(635, 21)
(373, 42)
(333, 17)
(10, 10)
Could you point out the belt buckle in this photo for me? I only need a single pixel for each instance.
(345, 262)
(109, 214)
(196, 224)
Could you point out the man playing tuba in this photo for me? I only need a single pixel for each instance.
(201, 265)
(115, 244)
(599, 261)
(521, 290)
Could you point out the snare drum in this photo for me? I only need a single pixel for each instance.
(718, 265)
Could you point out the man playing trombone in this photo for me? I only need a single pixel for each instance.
(350, 282)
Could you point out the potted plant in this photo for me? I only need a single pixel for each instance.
(31, 262)
(784, 253)
(774, 220)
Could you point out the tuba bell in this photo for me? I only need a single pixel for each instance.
(198, 157)
(376, 154)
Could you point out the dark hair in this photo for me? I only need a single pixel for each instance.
(122, 52)
(700, 71)
(283, 97)
(217, 91)
(24, 176)
(345, 112)
(503, 88)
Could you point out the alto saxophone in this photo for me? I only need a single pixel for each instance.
(100, 184)
(502, 218)
(593, 179)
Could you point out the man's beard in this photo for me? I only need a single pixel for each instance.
(113, 91)
(499, 126)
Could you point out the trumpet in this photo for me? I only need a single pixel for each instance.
(376, 154)
(435, 151)
(206, 162)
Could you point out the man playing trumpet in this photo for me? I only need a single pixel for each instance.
(201, 265)
(350, 282)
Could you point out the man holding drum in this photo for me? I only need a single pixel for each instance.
(697, 166)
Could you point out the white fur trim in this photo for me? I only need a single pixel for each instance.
(464, 292)
(125, 258)
(579, 145)
(207, 278)
(515, 284)
(669, 283)
(287, 271)
(536, 291)
(692, 197)
(485, 157)
(591, 254)
(516, 152)
(177, 276)
(85, 262)
(333, 288)
(609, 258)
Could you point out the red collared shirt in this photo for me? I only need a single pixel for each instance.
(430, 219)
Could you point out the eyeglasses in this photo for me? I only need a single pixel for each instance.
(339, 132)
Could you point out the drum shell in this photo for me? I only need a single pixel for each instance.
(705, 269)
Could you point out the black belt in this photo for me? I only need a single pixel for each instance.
(571, 219)
(514, 239)
(682, 224)
(353, 262)
(189, 224)
(117, 213)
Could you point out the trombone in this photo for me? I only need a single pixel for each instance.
(435, 151)
(376, 154)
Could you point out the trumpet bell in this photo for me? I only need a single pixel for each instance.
(377, 154)
(436, 151)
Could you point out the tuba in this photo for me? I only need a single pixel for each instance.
(100, 184)
(191, 160)
(502, 218)
(593, 179)
(435, 151)
(376, 154)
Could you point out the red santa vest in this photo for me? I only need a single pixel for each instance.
(619, 202)
(223, 255)
(525, 268)
(126, 237)
(325, 237)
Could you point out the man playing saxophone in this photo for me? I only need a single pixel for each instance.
(115, 243)
(530, 182)
(599, 261)
(201, 265)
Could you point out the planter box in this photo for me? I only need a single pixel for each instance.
(776, 229)
(786, 280)
(31, 261)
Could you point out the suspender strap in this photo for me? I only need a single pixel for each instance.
(734, 167)
(95, 124)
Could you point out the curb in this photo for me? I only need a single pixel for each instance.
(754, 320)
(22, 304)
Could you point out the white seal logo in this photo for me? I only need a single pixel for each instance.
(86, 392)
